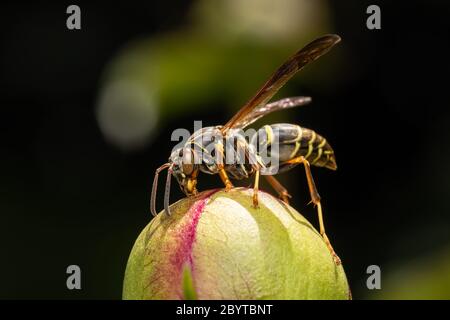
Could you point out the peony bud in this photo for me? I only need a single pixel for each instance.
(217, 246)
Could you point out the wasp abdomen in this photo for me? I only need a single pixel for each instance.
(290, 141)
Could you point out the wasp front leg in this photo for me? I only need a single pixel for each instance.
(192, 183)
(315, 198)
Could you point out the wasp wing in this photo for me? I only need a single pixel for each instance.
(309, 53)
(261, 111)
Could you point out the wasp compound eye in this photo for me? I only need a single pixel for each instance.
(187, 161)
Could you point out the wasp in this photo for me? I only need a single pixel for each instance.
(295, 144)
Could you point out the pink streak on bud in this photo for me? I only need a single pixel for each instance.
(180, 254)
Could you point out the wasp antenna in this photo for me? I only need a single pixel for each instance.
(167, 192)
(155, 187)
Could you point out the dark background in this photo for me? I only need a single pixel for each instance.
(68, 196)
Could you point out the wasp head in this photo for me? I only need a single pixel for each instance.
(184, 169)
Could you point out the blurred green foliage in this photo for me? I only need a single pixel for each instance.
(421, 278)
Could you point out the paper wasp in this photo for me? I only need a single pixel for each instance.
(297, 145)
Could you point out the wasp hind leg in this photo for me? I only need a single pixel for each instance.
(255, 190)
(279, 188)
(315, 198)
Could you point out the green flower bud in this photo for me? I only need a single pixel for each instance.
(218, 246)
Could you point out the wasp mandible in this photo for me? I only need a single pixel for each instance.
(297, 145)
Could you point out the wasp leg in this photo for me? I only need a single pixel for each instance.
(155, 187)
(222, 173)
(315, 198)
(255, 190)
(193, 182)
(278, 187)
(226, 181)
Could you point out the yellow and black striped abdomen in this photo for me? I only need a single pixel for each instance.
(316, 149)
(294, 141)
